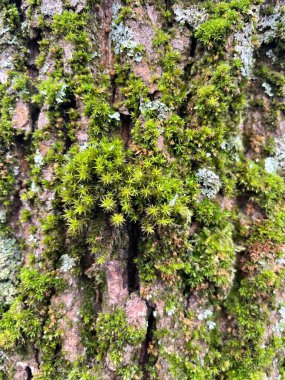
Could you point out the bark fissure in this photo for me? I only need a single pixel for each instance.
(29, 373)
(145, 353)
(106, 14)
(126, 124)
(133, 251)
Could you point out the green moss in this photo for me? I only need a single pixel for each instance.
(105, 186)
(171, 83)
(52, 91)
(224, 17)
(125, 12)
(11, 17)
(113, 334)
(108, 184)
(210, 213)
(213, 257)
(133, 88)
(71, 25)
(161, 39)
(23, 320)
(16, 87)
(184, 369)
(274, 78)
(271, 229)
(267, 188)
(215, 30)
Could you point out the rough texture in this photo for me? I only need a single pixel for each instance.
(142, 218)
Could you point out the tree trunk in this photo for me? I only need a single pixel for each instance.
(142, 159)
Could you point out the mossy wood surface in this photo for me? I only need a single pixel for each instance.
(142, 213)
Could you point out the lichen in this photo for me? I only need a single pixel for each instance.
(245, 48)
(279, 326)
(193, 16)
(160, 109)
(270, 54)
(276, 162)
(3, 356)
(10, 258)
(209, 181)
(268, 89)
(233, 145)
(67, 263)
(121, 36)
(38, 159)
(268, 25)
(50, 7)
(271, 164)
(280, 152)
(2, 215)
(151, 199)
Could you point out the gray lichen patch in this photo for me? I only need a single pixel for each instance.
(7, 44)
(268, 25)
(209, 181)
(245, 49)
(121, 36)
(10, 258)
(277, 162)
(51, 7)
(155, 106)
(193, 15)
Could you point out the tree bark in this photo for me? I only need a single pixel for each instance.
(142, 171)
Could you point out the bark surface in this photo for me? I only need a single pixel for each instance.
(142, 163)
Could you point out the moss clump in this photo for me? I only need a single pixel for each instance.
(113, 335)
(25, 317)
(71, 25)
(267, 188)
(135, 191)
(213, 257)
(225, 16)
(270, 229)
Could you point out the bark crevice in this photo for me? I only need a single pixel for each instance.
(145, 354)
(132, 270)
(29, 373)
